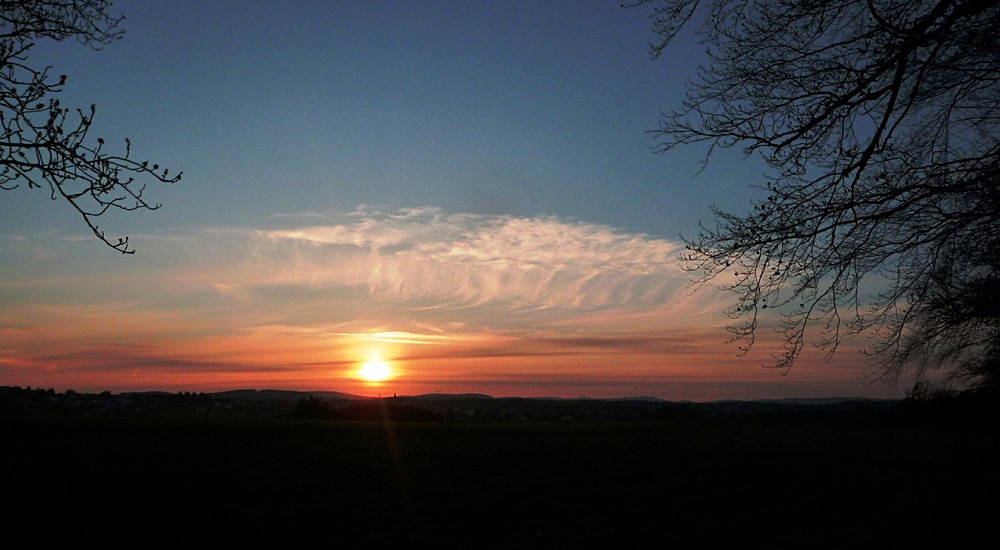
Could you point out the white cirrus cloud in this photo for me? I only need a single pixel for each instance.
(465, 259)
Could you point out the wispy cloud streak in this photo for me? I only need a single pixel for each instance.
(468, 260)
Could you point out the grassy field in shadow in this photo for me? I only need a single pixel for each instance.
(782, 479)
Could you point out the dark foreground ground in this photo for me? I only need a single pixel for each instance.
(776, 480)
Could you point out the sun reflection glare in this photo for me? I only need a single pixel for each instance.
(375, 371)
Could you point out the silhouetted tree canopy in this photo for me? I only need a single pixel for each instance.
(879, 120)
(43, 144)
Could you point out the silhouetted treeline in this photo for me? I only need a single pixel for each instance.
(924, 407)
(377, 410)
(930, 406)
(16, 401)
(518, 409)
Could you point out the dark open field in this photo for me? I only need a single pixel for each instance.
(779, 479)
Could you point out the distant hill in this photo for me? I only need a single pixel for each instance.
(284, 395)
(822, 400)
(461, 396)
(465, 407)
(451, 396)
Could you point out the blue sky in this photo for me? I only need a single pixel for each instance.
(375, 180)
(481, 107)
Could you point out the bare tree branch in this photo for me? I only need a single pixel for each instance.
(880, 118)
(37, 146)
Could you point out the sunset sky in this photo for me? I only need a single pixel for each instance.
(463, 190)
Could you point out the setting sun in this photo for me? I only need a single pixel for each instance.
(375, 371)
